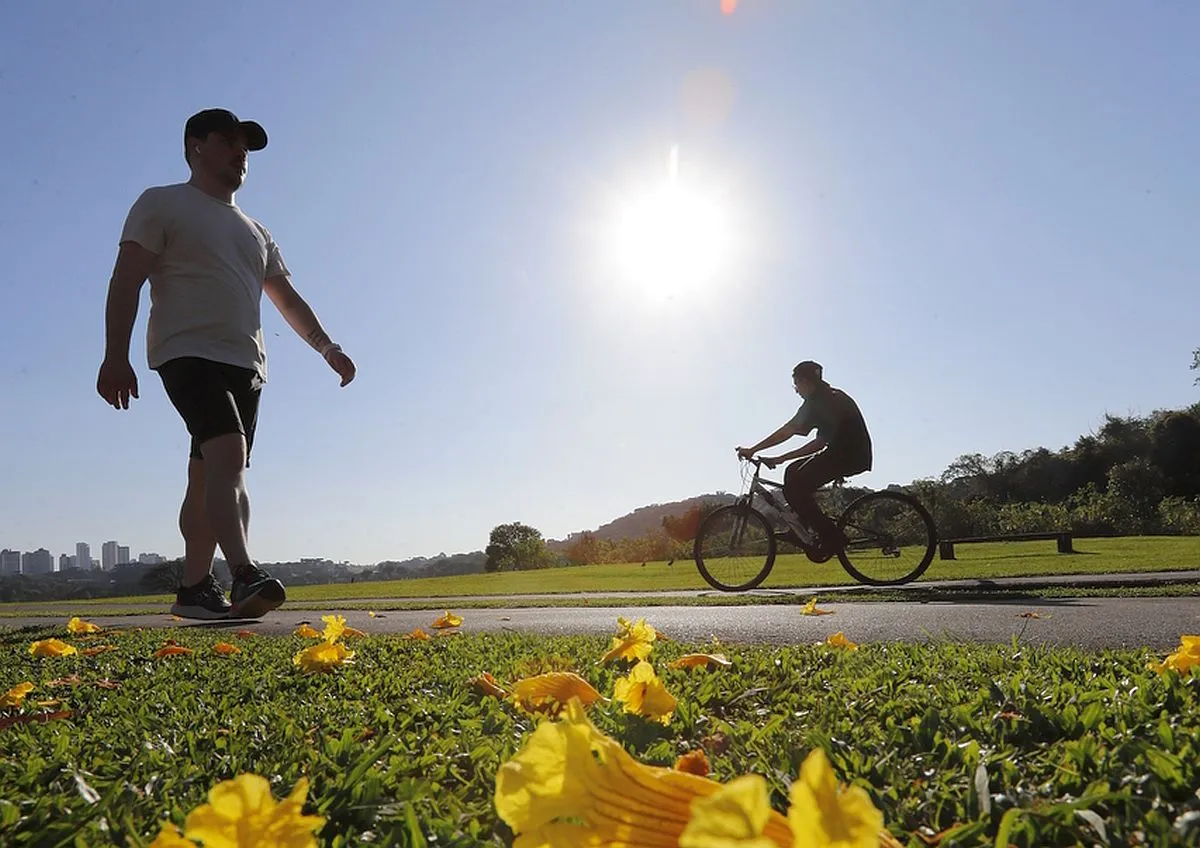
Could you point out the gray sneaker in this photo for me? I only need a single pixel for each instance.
(255, 593)
(206, 600)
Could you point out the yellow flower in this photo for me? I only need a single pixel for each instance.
(170, 837)
(633, 642)
(335, 626)
(643, 694)
(1185, 658)
(811, 608)
(699, 660)
(51, 648)
(14, 696)
(572, 785)
(821, 815)
(417, 634)
(448, 620)
(304, 631)
(323, 656)
(241, 813)
(734, 815)
(77, 626)
(839, 640)
(225, 649)
(372, 613)
(549, 693)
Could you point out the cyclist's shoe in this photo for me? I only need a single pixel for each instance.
(206, 600)
(255, 593)
(827, 548)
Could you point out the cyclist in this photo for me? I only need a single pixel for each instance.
(842, 447)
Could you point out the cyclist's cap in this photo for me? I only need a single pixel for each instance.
(222, 120)
(808, 369)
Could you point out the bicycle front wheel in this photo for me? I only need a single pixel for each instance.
(889, 538)
(735, 548)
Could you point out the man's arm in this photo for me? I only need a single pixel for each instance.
(301, 318)
(812, 447)
(117, 381)
(778, 437)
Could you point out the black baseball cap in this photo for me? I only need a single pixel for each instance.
(222, 120)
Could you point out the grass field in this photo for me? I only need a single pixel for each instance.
(977, 561)
(1054, 747)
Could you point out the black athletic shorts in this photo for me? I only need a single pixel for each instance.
(213, 398)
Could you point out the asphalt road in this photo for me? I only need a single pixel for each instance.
(1155, 623)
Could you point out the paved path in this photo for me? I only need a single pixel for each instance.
(1155, 623)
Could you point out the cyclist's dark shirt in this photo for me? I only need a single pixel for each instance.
(838, 421)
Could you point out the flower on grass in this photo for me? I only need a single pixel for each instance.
(246, 634)
(323, 657)
(485, 684)
(448, 620)
(304, 631)
(1184, 659)
(335, 626)
(170, 650)
(699, 661)
(15, 696)
(643, 694)
(572, 785)
(225, 649)
(97, 649)
(845, 818)
(694, 762)
(241, 813)
(417, 634)
(839, 640)
(811, 608)
(77, 626)
(353, 632)
(51, 648)
(548, 694)
(633, 642)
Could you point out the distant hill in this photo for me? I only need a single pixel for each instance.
(643, 520)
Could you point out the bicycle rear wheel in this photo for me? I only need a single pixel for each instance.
(889, 538)
(735, 548)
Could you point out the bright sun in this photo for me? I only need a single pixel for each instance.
(672, 238)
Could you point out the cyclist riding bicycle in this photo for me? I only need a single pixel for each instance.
(841, 448)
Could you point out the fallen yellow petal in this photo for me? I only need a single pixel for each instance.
(170, 651)
(417, 634)
(811, 608)
(305, 631)
(699, 661)
(487, 685)
(839, 640)
(226, 649)
(51, 648)
(77, 626)
(448, 620)
(694, 762)
(323, 657)
(548, 694)
(14, 696)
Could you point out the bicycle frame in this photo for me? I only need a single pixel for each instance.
(762, 486)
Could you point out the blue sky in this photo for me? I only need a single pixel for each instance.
(981, 217)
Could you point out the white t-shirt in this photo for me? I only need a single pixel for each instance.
(206, 288)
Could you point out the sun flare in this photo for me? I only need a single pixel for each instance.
(673, 237)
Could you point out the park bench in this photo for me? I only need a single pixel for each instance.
(946, 546)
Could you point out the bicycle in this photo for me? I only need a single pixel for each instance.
(888, 537)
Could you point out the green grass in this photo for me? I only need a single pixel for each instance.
(400, 751)
(979, 561)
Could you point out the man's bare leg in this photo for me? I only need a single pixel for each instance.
(199, 543)
(226, 502)
(254, 592)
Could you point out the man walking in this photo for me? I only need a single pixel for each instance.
(208, 264)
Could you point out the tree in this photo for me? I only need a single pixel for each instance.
(1196, 362)
(515, 547)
